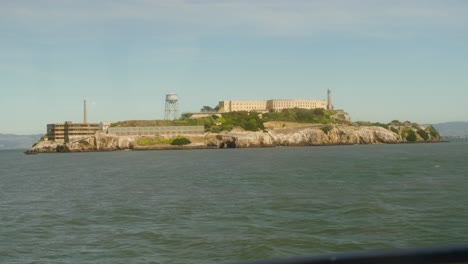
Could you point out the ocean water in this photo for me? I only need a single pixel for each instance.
(224, 206)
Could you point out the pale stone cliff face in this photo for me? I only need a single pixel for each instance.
(338, 135)
(109, 142)
(99, 142)
(295, 136)
(44, 147)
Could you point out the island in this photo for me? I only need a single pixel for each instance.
(231, 129)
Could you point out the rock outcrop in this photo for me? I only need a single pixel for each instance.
(305, 135)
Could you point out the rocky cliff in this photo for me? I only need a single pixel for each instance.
(305, 135)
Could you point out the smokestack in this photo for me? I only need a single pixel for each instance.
(85, 118)
(329, 100)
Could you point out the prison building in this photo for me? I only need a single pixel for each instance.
(270, 105)
(275, 105)
(156, 131)
(69, 131)
(56, 132)
(250, 106)
(278, 105)
(78, 131)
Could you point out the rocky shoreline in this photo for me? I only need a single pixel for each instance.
(305, 135)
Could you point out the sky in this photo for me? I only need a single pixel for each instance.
(382, 59)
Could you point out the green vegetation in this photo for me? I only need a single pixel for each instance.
(409, 134)
(433, 132)
(318, 116)
(362, 123)
(150, 141)
(180, 141)
(408, 131)
(253, 121)
(326, 129)
(209, 109)
(249, 121)
(422, 134)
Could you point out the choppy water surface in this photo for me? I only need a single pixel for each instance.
(222, 206)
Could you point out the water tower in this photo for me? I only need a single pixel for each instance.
(172, 107)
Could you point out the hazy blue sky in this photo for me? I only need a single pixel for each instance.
(383, 59)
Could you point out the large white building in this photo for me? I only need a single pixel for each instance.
(274, 105)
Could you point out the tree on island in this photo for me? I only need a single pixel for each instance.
(207, 108)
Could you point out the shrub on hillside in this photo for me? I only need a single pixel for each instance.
(433, 132)
(364, 123)
(326, 129)
(150, 141)
(180, 141)
(249, 121)
(301, 115)
(423, 134)
(410, 135)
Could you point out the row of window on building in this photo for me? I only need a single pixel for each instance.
(270, 105)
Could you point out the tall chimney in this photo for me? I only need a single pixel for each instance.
(329, 100)
(85, 119)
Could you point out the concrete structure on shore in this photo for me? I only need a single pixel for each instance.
(171, 131)
(275, 105)
(56, 132)
(104, 126)
(69, 131)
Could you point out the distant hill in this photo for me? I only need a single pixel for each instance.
(9, 141)
(452, 129)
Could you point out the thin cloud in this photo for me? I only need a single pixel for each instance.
(274, 17)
